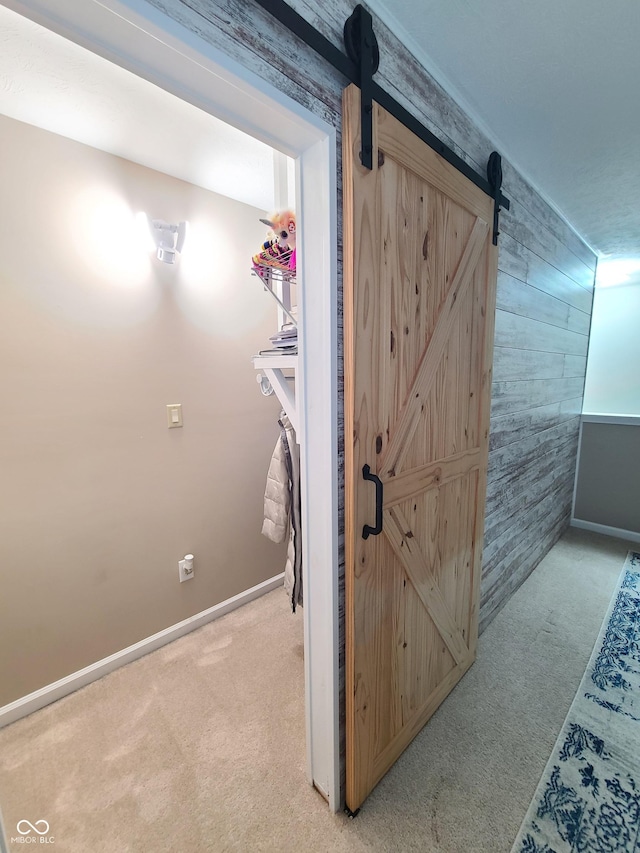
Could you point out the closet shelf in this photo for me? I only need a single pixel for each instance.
(273, 367)
(272, 364)
(282, 362)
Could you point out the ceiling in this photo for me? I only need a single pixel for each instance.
(555, 84)
(54, 84)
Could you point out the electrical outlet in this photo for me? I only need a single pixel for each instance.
(185, 568)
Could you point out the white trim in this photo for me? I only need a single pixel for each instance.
(70, 683)
(135, 35)
(139, 37)
(317, 396)
(626, 420)
(4, 847)
(629, 535)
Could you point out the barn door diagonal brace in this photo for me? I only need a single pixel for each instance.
(359, 66)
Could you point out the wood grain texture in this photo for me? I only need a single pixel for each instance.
(536, 247)
(425, 377)
(420, 279)
(523, 559)
(500, 519)
(519, 224)
(517, 297)
(509, 498)
(522, 263)
(519, 332)
(515, 427)
(399, 487)
(524, 483)
(418, 570)
(511, 364)
(501, 542)
(545, 215)
(527, 394)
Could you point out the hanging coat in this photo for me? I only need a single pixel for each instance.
(282, 518)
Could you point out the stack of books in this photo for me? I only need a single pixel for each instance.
(283, 342)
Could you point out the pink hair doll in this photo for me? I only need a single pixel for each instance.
(279, 250)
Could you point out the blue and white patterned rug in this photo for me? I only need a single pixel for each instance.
(589, 796)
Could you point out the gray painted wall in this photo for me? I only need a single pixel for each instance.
(608, 485)
(544, 292)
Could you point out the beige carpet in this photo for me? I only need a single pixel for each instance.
(200, 745)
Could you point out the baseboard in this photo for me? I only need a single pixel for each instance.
(52, 692)
(629, 535)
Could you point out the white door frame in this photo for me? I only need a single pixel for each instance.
(142, 39)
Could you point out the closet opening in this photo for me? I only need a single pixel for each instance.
(159, 51)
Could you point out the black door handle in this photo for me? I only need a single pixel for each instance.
(367, 530)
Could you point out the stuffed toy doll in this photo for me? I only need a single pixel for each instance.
(279, 250)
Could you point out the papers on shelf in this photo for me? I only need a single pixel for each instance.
(286, 338)
(279, 352)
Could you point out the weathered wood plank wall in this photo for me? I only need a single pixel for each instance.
(544, 291)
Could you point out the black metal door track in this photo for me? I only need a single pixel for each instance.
(359, 66)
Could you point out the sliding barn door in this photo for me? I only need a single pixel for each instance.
(420, 275)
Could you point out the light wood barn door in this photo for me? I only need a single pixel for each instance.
(420, 277)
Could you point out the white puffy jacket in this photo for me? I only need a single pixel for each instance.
(282, 507)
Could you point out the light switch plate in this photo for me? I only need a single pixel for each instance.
(174, 415)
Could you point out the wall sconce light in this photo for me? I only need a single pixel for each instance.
(162, 238)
